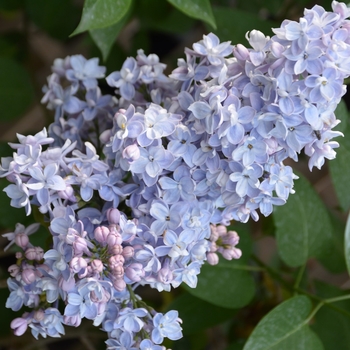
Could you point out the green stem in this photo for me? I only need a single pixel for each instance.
(327, 302)
(299, 276)
(335, 299)
(314, 312)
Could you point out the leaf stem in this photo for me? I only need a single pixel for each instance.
(335, 299)
(299, 276)
(327, 302)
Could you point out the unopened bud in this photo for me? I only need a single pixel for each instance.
(30, 253)
(212, 258)
(113, 216)
(131, 153)
(128, 252)
(28, 276)
(19, 325)
(101, 233)
(119, 284)
(233, 253)
(241, 52)
(22, 240)
(97, 265)
(116, 249)
(39, 315)
(114, 238)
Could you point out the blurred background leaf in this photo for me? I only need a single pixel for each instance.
(16, 89)
(303, 227)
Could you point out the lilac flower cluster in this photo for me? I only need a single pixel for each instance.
(138, 188)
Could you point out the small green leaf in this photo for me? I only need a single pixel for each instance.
(340, 166)
(16, 90)
(347, 243)
(199, 9)
(104, 38)
(285, 328)
(342, 114)
(334, 260)
(303, 227)
(194, 311)
(329, 324)
(102, 14)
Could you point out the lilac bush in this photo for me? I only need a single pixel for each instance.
(138, 188)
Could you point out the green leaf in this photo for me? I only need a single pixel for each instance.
(303, 227)
(334, 259)
(285, 328)
(199, 9)
(104, 38)
(16, 90)
(342, 114)
(233, 24)
(50, 15)
(194, 311)
(347, 243)
(229, 284)
(102, 14)
(340, 166)
(329, 324)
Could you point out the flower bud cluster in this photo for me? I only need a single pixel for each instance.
(223, 242)
(138, 188)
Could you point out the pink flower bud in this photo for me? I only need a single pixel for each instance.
(131, 153)
(80, 246)
(39, 315)
(213, 247)
(221, 229)
(28, 276)
(13, 270)
(231, 238)
(118, 271)
(116, 260)
(233, 253)
(19, 255)
(214, 235)
(212, 258)
(128, 252)
(19, 325)
(116, 249)
(119, 284)
(113, 239)
(39, 253)
(30, 253)
(97, 265)
(113, 216)
(101, 233)
(22, 240)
